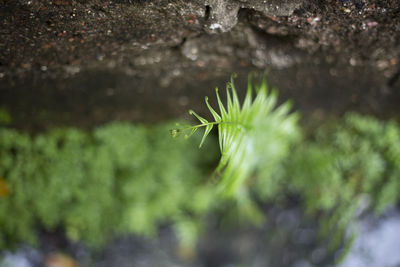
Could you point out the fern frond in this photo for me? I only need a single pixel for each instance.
(246, 131)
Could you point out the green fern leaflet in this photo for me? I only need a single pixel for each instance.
(248, 134)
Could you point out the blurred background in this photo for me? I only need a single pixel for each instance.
(90, 176)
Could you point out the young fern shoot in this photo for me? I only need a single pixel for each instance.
(243, 131)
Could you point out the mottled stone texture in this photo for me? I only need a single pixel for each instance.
(86, 62)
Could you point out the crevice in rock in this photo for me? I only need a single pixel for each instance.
(243, 14)
(244, 17)
(207, 13)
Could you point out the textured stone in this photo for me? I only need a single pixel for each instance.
(87, 62)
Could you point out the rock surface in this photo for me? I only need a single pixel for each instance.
(87, 62)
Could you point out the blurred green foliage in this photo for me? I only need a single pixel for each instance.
(354, 159)
(119, 178)
(349, 166)
(123, 178)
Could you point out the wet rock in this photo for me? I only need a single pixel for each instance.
(329, 57)
(222, 15)
(273, 7)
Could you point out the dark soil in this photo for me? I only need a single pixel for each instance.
(87, 62)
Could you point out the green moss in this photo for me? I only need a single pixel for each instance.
(350, 165)
(119, 178)
(355, 157)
